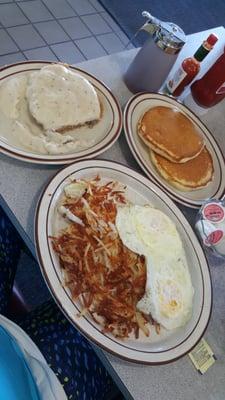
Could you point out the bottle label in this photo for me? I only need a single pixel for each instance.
(174, 82)
(221, 89)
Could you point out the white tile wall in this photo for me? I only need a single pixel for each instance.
(90, 47)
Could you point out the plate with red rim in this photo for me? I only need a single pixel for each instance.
(156, 349)
(105, 132)
(134, 110)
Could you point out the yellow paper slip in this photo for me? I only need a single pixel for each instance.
(202, 356)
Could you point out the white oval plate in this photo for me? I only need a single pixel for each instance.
(106, 131)
(167, 346)
(134, 110)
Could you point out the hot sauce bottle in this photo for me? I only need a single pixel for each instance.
(210, 89)
(190, 67)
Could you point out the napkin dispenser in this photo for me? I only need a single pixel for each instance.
(153, 62)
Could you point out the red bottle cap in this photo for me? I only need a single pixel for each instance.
(212, 39)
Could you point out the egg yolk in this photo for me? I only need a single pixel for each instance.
(170, 298)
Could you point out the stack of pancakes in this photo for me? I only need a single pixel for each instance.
(176, 148)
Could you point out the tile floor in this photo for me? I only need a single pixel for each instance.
(64, 30)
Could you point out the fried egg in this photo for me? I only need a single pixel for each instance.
(60, 98)
(168, 292)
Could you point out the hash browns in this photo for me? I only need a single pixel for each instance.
(106, 277)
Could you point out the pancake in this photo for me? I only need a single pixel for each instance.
(170, 133)
(192, 175)
(60, 99)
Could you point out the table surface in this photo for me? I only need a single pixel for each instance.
(21, 185)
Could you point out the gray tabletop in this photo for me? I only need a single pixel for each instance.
(21, 185)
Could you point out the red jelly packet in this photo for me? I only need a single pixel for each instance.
(210, 226)
(214, 237)
(213, 212)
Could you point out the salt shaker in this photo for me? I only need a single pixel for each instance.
(152, 64)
